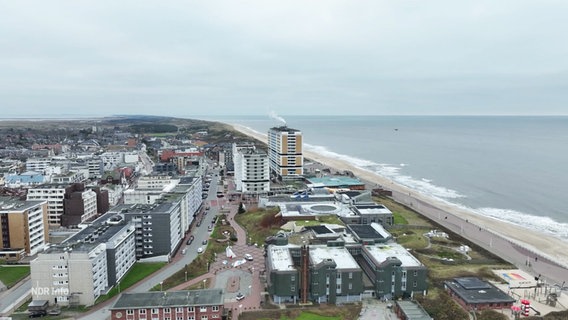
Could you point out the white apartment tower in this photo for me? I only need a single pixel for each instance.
(285, 151)
(252, 170)
(54, 194)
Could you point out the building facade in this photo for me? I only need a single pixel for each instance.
(285, 151)
(54, 195)
(158, 227)
(318, 273)
(206, 304)
(23, 225)
(251, 169)
(85, 266)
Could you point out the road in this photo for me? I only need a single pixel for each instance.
(11, 298)
(179, 261)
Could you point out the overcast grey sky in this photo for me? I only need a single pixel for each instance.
(292, 57)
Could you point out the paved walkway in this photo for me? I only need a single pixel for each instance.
(222, 271)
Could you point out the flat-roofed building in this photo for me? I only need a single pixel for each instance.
(367, 213)
(85, 266)
(23, 226)
(285, 151)
(251, 168)
(54, 194)
(158, 227)
(475, 294)
(205, 304)
(317, 273)
(393, 271)
(368, 234)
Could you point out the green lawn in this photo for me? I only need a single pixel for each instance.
(10, 275)
(138, 272)
(309, 316)
(259, 223)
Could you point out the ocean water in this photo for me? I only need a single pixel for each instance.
(507, 167)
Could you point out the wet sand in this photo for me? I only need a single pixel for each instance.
(535, 252)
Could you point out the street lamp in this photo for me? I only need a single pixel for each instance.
(186, 276)
(161, 285)
(204, 280)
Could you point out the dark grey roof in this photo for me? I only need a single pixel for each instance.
(365, 231)
(476, 291)
(319, 229)
(413, 310)
(157, 299)
(284, 129)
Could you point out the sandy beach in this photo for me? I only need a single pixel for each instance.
(537, 253)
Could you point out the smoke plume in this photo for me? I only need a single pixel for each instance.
(274, 116)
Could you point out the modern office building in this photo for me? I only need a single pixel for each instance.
(23, 226)
(251, 168)
(285, 152)
(367, 213)
(85, 266)
(205, 304)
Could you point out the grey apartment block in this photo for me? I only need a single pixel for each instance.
(158, 227)
(317, 273)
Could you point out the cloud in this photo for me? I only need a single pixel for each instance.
(226, 57)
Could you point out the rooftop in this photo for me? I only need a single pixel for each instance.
(474, 290)
(284, 129)
(280, 258)
(382, 252)
(11, 204)
(412, 310)
(372, 208)
(93, 235)
(369, 231)
(157, 299)
(339, 255)
(335, 181)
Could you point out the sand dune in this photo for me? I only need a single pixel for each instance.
(536, 253)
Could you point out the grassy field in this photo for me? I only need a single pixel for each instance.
(259, 223)
(10, 275)
(138, 272)
(323, 312)
(320, 220)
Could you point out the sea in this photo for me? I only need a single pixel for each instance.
(512, 168)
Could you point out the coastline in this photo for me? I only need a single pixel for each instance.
(534, 252)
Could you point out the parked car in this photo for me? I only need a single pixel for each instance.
(199, 250)
(240, 296)
(37, 314)
(204, 242)
(248, 257)
(190, 240)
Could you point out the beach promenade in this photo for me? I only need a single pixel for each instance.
(535, 252)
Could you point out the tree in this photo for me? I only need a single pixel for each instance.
(241, 208)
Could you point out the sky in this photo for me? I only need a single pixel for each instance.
(184, 58)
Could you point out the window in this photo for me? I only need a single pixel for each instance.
(415, 284)
(203, 317)
(415, 273)
(202, 309)
(292, 278)
(215, 308)
(154, 311)
(190, 309)
(350, 276)
(191, 318)
(292, 288)
(142, 311)
(167, 310)
(129, 311)
(179, 309)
